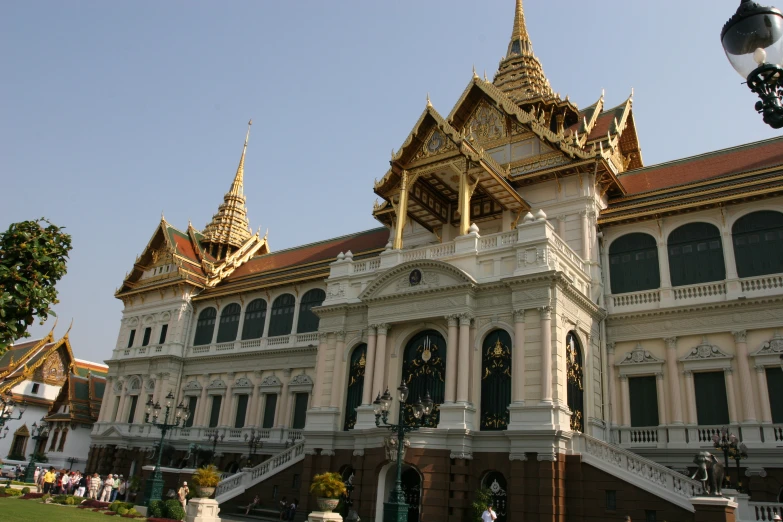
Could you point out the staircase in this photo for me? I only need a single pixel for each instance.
(238, 483)
(646, 474)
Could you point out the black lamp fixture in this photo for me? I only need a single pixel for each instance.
(167, 423)
(7, 407)
(753, 41)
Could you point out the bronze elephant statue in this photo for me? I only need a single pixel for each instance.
(710, 472)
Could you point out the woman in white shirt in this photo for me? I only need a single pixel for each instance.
(488, 515)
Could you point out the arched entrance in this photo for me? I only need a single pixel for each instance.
(575, 381)
(424, 370)
(495, 482)
(411, 486)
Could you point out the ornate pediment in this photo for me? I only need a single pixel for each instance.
(302, 378)
(217, 383)
(705, 351)
(486, 123)
(271, 380)
(772, 347)
(243, 382)
(639, 356)
(193, 385)
(415, 277)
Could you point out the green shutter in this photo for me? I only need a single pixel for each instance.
(241, 411)
(775, 388)
(353, 396)
(308, 321)
(282, 315)
(269, 410)
(633, 263)
(205, 326)
(644, 401)
(495, 380)
(192, 403)
(711, 404)
(696, 254)
(300, 411)
(214, 415)
(255, 316)
(132, 412)
(229, 323)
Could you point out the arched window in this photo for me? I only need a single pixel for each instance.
(633, 263)
(353, 397)
(758, 243)
(495, 380)
(308, 321)
(282, 315)
(696, 255)
(495, 482)
(575, 388)
(229, 323)
(424, 370)
(205, 326)
(255, 316)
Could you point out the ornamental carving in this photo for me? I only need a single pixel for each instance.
(640, 356)
(271, 380)
(302, 378)
(390, 445)
(705, 350)
(217, 383)
(54, 370)
(435, 143)
(486, 123)
(193, 385)
(244, 382)
(773, 346)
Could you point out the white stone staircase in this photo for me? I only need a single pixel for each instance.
(238, 483)
(639, 471)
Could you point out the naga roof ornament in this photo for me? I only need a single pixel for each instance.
(520, 75)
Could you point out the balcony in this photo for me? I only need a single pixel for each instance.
(696, 437)
(153, 350)
(301, 340)
(233, 437)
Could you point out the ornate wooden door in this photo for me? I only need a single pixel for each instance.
(575, 381)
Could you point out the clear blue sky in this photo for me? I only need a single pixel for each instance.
(113, 112)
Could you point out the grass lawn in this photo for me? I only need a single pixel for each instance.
(15, 510)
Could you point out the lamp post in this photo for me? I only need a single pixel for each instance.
(214, 438)
(40, 431)
(155, 489)
(396, 509)
(253, 443)
(7, 407)
(731, 447)
(753, 42)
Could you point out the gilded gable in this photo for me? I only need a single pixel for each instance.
(486, 123)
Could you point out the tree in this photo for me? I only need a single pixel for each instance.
(32, 261)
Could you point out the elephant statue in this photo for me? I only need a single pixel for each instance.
(710, 472)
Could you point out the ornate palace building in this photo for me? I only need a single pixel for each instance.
(584, 323)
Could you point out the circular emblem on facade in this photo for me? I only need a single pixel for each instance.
(436, 142)
(415, 277)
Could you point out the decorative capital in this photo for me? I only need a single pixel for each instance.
(519, 316)
(372, 329)
(760, 368)
(671, 342)
(610, 347)
(545, 311)
(322, 337)
(358, 453)
(623, 378)
(740, 336)
(452, 320)
(327, 453)
(462, 455)
(383, 328)
(517, 456)
(728, 370)
(465, 319)
(687, 373)
(548, 457)
(659, 376)
(340, 336)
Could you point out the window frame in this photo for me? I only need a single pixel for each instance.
(281, 321)
(228, 323)
(252, 322)
(308, 321)
(748, 261)
(205, 324)
(623, 280)
(695, 268)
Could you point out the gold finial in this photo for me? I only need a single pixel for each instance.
(474, 72)
(485, 75)
(429, 103)
(162, 217)
(519, 33)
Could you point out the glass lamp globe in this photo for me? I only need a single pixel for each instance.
(386, 400)
(376, 405)
(753, 37)
(402, 392)
(418, 409)
(427, 403)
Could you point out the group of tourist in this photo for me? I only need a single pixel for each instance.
(63, 482)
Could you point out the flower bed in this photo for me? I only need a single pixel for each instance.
(162, 520)
(30, 496)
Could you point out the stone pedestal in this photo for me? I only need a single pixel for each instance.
(202, 510)
(714, 509)
(458, 416)
(322, 516)
(365, 418)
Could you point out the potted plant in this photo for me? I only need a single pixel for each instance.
(206, 480)
(327, 488)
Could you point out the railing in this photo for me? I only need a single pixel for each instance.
(430, 252)
(643, 436)
(366, 266)
(778, 431)
(251, 343)
(761, 283)
(234, 433)
(636, 298)
(568, 252)
(238, 483)
(276, 341)
(766, 510)
(201, 349)
(699, 291)
(306, 337)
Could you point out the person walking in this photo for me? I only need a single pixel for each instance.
(82, 485)
(49, 478)
(115, 487)
(182, 495)
(488, 515)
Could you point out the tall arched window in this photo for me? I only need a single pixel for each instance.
(495, 380)
(633, 263)
(205, 326)
(424, 370)
(308, 321)
(282, 315)
(574, 381)
(696, 255)
(255, 316)
(495, 482)
(353, 397)
(229, 323)
(758, 243)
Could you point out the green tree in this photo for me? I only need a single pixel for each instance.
(32, 260)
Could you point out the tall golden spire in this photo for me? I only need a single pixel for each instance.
(520, 74)
(229, 228)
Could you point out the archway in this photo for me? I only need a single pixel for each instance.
(496, 483)
(411, 486)
(574, 378)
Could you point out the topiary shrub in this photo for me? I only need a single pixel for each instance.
(174, 510)
(132, 511)
(70, 501)
(114, 506)
(25, 490)
(122, 511)
(155, 509)
(12, 492)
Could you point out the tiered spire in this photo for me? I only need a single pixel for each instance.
(520, 74)
(229, 228)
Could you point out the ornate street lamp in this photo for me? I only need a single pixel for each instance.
(731, 447)
(7, 407)
(396, 509)
(181, 414)
(253, 443)
(753, 41)
(214, 438)
(39, 431)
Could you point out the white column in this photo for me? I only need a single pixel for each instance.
(690, 391)
(338, 375)
(105, 404)
(659, 388)
(452, 344)
(156, 389)
(561, 226)
(761, 378)
(663, 263)
(611, 383)
(378, 379)
(267, 318)
(518, 358)
(121, 408)
(625, 399)
(216, 328)
(673, 378)
(585, 235)
(367, 390)
(728, 252)
(546, 354)
(241, 324)
(746, 389)
(320, 363)
(297, 306)
(254, 415)
(226, 412)
(730, 394)
(463, 366)
(282, 403)
(201, 406)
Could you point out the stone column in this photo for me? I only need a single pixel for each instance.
(673, 378)
(156, 389)
(518, 358)
(367, 395)
(338, 375)
(105, 404)
(226, 411)
(241, 324)
(546, 354)
(611, 384)
(585, 235)
(450, 392)
(320, 363)
(761, 378)
(201, 407)
(730, 394)
(661, 399)
(463, 366)
(297, 307)
(121, 408)
(663, 263)
(561, 226)
(625, 399)
(254, 416)
(690, 391)
(728, 252)
(282, 406)
(746, 390)
(380, 358)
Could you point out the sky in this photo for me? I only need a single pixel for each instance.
(113, 112)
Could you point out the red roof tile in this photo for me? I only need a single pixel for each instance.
(315, 252)
(745, 158)
(184, 246)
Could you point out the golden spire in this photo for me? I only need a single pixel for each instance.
(520, 74)
(230, 227)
